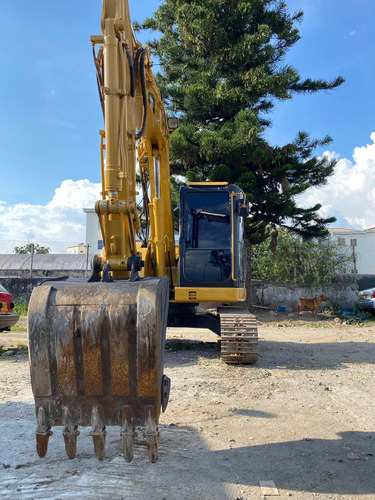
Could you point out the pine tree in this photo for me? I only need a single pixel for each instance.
(223, 69)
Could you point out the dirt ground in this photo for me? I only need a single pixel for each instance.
(303, 417)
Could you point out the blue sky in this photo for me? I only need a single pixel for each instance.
(51, 114)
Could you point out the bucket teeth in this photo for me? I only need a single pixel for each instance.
(165, 390)
(151, 434)
(128, 433)
(98, 431)
(42, 444)
(43, 432)
(70, 432)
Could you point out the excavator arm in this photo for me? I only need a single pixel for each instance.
(135, 122)
(97, 346)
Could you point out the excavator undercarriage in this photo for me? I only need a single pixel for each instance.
(238, 336)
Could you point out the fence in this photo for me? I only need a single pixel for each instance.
(10, 246)
(45, 258)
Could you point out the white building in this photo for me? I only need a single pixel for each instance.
(76, 249)
(362, 244)
(93, 234)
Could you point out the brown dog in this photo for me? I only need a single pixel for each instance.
(310, 304)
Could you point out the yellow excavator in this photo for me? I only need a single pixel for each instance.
(96, 345)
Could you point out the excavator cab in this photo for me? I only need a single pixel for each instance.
(211, 235)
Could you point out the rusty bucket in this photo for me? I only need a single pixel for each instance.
(96, 359)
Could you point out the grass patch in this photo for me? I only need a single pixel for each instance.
(19, 329)
(20, 308)
(21, 346)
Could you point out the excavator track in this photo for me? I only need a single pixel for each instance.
(239, 336)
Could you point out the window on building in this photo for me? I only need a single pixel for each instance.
(353, 243)
(341, 241)
(100, 244)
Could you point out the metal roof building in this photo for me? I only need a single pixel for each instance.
(44, 264)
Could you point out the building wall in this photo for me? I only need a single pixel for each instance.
(93, 233)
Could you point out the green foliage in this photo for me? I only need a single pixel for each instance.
(29, 248)
(21, 345)
(313, 262)
(333, 308)
(18, 329)
(20, 308)
(223, 70)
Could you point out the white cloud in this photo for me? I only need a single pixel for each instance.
(61, 219)
(76, 194)
(349, 194)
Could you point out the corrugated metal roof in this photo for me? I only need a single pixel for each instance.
(44, 262)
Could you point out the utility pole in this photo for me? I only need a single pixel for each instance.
(31, 259)
(353, 244)
(87, 259)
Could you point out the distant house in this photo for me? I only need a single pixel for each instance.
(362, 246)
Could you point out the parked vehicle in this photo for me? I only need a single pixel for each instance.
(7, 318)
(367, 299)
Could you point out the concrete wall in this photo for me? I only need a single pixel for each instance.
(260, 292)
(263, 293)
(20, 288)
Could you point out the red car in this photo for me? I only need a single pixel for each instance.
(7, 318)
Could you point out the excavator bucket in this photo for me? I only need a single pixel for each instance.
(96, 359)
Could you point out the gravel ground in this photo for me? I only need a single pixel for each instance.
(303, 417)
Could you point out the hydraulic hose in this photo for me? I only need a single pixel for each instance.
(132, 73)
(136, 62)
(99, 79)
(144, 93)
